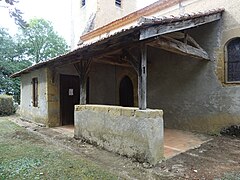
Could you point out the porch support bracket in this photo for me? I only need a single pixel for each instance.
(131, 59)
(178, 47)
(83, 68)
(140, 66)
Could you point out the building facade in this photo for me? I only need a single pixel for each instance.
(196, 95)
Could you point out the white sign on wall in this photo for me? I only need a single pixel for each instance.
(70, 92)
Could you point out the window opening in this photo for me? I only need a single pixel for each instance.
(35, 92)
(233, 60)
(83, 3)
(118, 3)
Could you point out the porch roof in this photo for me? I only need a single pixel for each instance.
(145, 30)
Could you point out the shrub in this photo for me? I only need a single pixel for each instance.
(6, 105)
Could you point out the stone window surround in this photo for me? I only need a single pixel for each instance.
(226, 62)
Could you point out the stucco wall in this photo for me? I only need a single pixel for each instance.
(206, 103)
(53, 92)
(189, 90)
(104, 83)
(107, 11)
(53, 98)
(38, 114)
(48, 110)
(127, 131)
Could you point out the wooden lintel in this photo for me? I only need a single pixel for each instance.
(178, 47)
(161, 29)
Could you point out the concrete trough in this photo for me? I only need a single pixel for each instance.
(127, 131)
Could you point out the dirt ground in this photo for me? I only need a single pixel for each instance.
(216, 159)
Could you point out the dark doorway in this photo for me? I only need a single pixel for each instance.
(126, 92)
(69, 96)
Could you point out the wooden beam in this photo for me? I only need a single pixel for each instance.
(193, 42)
(184, 36)
(178, 47)
(142, 80)
(161, 29)
(108, 61)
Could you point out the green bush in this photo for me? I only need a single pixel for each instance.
(6, 105)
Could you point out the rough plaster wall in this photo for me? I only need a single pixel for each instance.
(38, 114)
(107, 11)
(53, 92)
(189, 91)
(126, 131)
(67, 70)
(104, 83)
(83, 14)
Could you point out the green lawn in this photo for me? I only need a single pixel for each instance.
(24, 155)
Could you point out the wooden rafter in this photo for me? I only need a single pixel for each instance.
(176, 46)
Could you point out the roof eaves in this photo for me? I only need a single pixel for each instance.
(143, 22)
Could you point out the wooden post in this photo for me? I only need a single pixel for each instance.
(83, 70)
(142, 79)
(83, 95)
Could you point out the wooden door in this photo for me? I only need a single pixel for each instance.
(126, 92)
(69, 96)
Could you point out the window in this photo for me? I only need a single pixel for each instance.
(35, 92)
(233, 60)
(118, 3)
(83, 2)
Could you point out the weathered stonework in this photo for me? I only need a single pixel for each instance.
(126, 131)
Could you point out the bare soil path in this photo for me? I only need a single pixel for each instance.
(216, 159)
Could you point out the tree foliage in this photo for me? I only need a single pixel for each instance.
(15, 13)
(33, 44)
(10, 62)
(41, 42)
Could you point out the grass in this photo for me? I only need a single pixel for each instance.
(24, 155)
(230, 176)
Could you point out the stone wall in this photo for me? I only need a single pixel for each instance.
(126, 131)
